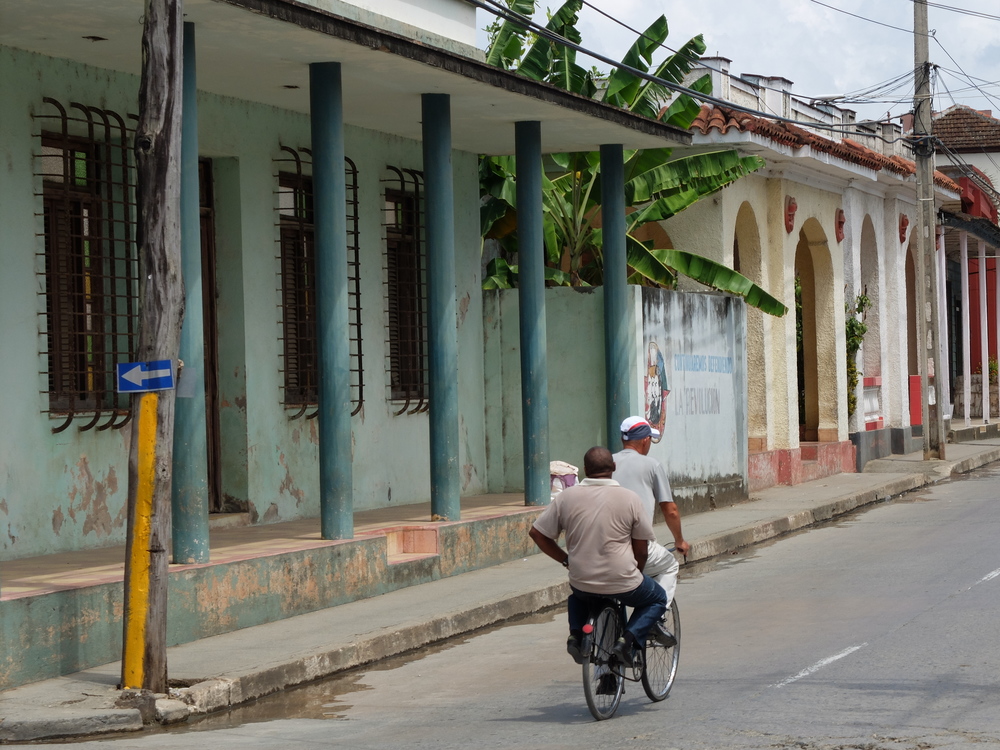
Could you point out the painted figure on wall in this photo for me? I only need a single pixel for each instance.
(657, 389)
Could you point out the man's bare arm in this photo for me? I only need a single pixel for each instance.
(673, 519)
(548, 545)
(640, 548)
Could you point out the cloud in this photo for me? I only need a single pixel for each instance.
(823, 51)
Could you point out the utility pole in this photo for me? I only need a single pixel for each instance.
(158, 160)
(932, 371)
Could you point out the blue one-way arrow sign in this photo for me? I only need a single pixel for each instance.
(137, 377)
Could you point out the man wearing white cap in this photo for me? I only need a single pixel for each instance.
(645, 476)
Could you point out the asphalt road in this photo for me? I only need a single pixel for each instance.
(878, 631)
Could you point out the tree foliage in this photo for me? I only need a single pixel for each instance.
(657, 186)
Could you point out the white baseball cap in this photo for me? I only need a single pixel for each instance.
(636, 428)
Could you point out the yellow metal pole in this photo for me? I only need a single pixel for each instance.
(136, 616)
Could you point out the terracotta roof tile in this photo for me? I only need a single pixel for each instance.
(962, 128)
(724, 119)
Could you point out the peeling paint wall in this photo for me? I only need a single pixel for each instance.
(68, 491)
(66, 631)
(575, 352)
(57, 491)
(705, 454)
(693, 358)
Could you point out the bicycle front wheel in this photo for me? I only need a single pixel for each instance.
(661, 660)
(602, 679)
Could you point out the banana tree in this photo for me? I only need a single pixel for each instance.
(656, 185)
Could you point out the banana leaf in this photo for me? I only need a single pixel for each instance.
(683, 110)
(537, 61)
(647, 266)
(623, 86)
(501, 275)
(508, 44)
(720, 277)
(706, 173)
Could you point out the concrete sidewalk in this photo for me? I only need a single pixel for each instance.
(227, 670)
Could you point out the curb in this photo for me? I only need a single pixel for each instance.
(737, 539)
(214, 695)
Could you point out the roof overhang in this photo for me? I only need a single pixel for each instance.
(981, 229)
(260, 51)
(812, 166)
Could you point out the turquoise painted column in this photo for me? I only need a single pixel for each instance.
(189, 492)
(336, 484)
(531, 301)
(442, 333)
(617, 349)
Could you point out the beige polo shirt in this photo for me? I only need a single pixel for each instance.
(600, 519)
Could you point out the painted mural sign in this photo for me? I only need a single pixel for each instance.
(694, 382)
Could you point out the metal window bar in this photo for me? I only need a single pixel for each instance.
(406, 291)
(300, 361)
(90, 260)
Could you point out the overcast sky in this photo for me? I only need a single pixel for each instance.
(823, 51)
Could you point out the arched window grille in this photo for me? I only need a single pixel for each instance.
(297, 257)
(91, 264)
(406, 291)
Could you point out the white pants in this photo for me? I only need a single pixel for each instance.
(662, 567)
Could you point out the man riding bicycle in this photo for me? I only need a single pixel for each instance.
(607, 538)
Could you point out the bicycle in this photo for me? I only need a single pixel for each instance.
(604, 675)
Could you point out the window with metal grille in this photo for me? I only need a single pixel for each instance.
(91, 266)
(298, 284)
(406, 290)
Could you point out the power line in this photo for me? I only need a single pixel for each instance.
(967, 169)
(863, 18)
(850, 97)
(964, 11)
(498, 9)
(689, 59)
(967, 76)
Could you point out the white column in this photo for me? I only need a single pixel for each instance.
(984, 329)
(963, 243)
(996, 309)
(941, 367)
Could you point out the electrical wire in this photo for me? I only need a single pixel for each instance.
(966, 75)
(964, 11)
(498, 9)
(864, 18)
(865, 95)
(967, 169)
(687, 58)
(856, 97)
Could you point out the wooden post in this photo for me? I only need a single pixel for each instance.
(157, 155)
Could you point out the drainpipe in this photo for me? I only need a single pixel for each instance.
(330, 209)
(442, 330)
(617, 355)
(531, 302)
(189, 489)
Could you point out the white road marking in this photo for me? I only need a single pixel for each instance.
(990, 576)
(819, 665)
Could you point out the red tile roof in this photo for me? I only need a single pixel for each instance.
(724, 119)
(962, 128)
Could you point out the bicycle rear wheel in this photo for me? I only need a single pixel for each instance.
(602, 679)
(661, 661)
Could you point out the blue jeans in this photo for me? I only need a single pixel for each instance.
(648, 601)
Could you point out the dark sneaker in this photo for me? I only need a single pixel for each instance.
(573, 649)
(663, 636)
(624, 652)
(608, 684)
